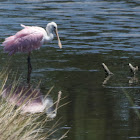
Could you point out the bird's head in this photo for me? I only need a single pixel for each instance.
(52, 27)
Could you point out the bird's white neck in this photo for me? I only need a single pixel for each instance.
(50, 35)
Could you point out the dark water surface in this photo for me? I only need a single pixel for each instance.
(92, 32)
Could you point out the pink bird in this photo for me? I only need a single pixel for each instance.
(30, 38)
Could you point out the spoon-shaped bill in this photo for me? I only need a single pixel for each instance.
(59, 42)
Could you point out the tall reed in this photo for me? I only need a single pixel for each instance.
(18, 126)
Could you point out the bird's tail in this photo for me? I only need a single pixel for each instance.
(8, 45)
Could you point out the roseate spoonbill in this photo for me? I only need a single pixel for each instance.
(30, 38)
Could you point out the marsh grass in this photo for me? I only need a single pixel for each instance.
(18, 126)
(130, 99)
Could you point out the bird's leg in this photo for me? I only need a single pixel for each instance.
(29, 68)
(29, 63)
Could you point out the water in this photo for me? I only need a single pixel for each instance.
(92, 32)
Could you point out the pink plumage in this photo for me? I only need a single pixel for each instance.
(26, 40)
(30, 38)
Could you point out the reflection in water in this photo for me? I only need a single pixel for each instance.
(106, 79)
(133, 80)
(31, 100)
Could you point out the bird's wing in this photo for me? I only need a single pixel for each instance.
(26, 40)
(23, 25)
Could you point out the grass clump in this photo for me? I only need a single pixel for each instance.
(22, 126)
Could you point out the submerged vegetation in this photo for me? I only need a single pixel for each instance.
(14, 124)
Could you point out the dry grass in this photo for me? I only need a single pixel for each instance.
(17, 126)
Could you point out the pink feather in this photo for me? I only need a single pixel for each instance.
(26, 40)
